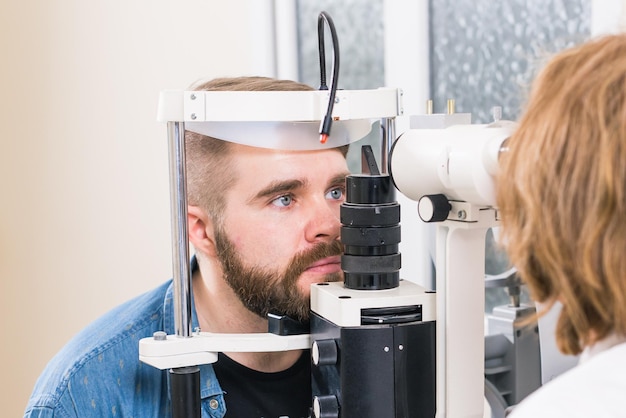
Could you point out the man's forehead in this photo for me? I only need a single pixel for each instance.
(237, 148)
(261, 167)
(272, 159)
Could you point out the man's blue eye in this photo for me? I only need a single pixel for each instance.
(335, 194)
(283, 201)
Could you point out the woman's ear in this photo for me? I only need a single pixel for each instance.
(201, 232)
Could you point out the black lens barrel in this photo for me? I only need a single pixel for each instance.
(370, 233)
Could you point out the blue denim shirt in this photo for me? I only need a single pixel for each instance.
(98, 373)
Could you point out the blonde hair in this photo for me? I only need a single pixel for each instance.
(562, 191)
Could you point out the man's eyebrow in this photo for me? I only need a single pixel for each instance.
(284, 186)
(339, 179)
(278, 187)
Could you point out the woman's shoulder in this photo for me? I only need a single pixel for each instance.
(593, 388)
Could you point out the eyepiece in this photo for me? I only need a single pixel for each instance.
(370, 232)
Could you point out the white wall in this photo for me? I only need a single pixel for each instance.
(608, 16)
(407, 66)
(84, 203)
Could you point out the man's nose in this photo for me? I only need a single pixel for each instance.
(323, 224)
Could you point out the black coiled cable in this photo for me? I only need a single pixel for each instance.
(328, 120)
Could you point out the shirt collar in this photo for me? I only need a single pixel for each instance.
(168, 305)
(610, 341)
(209, 385)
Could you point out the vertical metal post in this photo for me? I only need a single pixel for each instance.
(184, 381)
(388, 134)
(460, 318)
(180, 234)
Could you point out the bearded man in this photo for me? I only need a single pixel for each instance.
(265, 226)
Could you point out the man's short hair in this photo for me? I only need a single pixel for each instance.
(209, 168)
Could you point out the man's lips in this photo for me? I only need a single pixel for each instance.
(326, 264)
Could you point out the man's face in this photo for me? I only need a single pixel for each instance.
(281, 227)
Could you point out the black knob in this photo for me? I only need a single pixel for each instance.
(433, 208)
(324, 352)
(325, 407)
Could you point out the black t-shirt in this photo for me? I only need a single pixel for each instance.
(252, 394)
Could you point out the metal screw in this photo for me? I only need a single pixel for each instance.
(159, 336)
(336, 99)
(461, 214)
(193, 116)
(400, 347)
(192, 97)
(386, 349)
(496, 112)
(451, 107)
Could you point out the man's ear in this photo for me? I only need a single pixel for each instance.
(201, 230)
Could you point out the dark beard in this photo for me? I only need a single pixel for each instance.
(262, 290)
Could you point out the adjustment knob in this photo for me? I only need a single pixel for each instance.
(324, 353)
(325, 407)
(433, 208)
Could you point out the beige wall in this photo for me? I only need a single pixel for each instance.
(84, 204)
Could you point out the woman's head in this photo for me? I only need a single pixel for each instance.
(562, 191)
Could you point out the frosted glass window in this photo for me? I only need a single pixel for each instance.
(484, 53)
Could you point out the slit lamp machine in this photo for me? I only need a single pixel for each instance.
(381, 346)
